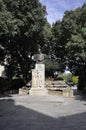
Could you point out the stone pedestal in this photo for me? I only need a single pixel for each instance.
(68, 92)
(38, 80)
(38, 91)
(23, 91)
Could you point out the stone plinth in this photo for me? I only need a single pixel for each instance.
(68, 92)
(59, 88)
(38, 91)
(38, 80)
(23, 91)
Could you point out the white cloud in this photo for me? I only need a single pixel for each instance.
(54, 16)
(54, 13)
(56, 8)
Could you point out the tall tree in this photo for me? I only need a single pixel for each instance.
(21, 26)
(73, 42)
(58, 41)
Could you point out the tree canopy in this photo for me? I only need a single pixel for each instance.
(22, 24)
(70, 41)
(23, 27)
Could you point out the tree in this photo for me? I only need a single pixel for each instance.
(21, 27)
(52, 66)
(58, 41)
(46, 38)
(76, 48)
(75, 79)
(73, 42)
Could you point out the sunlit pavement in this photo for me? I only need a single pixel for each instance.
(42, 113)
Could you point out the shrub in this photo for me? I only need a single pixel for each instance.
(75, 79)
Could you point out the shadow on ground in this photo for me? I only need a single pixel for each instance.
(80, 96)
(17, 117)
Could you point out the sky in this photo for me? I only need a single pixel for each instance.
(56, 8)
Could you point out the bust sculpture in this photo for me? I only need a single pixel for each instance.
(39, 58)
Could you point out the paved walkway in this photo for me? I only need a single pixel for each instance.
(42, 113)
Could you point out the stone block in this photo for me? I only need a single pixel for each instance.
(38, 91)
(23, 91)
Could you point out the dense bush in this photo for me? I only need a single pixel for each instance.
(69, 78)
(7, 85)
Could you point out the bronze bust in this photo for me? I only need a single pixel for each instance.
(39, 58)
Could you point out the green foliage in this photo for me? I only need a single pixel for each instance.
(52, 66)
(75, 79)
(76, 48)
(70, 78)
(58, 41)
(70, 42)
(46, 39)
(22, 29)
(23, 26)
(66, 77)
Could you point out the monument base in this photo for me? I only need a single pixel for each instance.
(38, 91)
